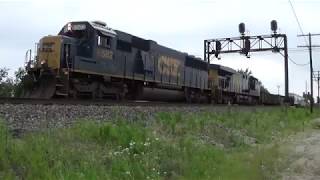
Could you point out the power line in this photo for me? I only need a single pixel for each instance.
(305, 49)
(294, 61)
(298, 63)
(302, 51)
(297, 19)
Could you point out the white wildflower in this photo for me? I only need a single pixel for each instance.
(128, 172)
(157, 139)
(132, 143)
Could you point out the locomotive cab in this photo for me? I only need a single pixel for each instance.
(76, 39)
(57, 56)
(77, 43)
(53, 57)
(55, 52)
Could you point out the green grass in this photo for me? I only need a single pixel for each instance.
(207, 145)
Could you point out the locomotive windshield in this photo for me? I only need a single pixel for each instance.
(78, 31)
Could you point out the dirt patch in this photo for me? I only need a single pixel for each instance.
(303, 156)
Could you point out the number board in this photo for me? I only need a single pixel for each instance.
(104, 53)
(78, 27)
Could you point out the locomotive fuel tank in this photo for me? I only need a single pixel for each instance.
(158, 94)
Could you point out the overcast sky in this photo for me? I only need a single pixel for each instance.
(179, 24)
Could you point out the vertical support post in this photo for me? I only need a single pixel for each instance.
(205, 51)
(286, 71)
(125, 67)
(311, 72)
(318, 78)
(208, 52)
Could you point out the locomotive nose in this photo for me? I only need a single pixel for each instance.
(48, 54)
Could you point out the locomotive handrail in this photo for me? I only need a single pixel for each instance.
(28, 58)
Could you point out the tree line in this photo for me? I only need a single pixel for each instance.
(11, 86)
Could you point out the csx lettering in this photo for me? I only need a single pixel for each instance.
(169, 66)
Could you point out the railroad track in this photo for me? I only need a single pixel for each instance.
(5, 100)
(103, 102)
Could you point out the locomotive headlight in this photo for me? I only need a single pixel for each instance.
(43, 62)
(69, 27)
(65, 72)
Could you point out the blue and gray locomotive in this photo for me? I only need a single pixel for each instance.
(89, 59)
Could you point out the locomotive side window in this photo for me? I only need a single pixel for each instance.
(252, 84)
(222, 83)
(104, 41)
(79, 34)
(124, 46)
(46, 47)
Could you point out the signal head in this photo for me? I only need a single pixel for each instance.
(274, 26)
(242, 28)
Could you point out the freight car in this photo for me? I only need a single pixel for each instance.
(267, 98)
(89, 59)
(296, 100)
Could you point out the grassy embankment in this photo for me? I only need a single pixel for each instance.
(207, 145)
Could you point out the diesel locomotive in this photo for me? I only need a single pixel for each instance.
(231, 86)
(89, 59)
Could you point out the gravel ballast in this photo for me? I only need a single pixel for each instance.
(28, 117)
(35, 117)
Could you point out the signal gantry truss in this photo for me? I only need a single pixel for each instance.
(276, 43)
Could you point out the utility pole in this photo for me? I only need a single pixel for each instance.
(278, 86)
(310, 46)
(316, 77)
